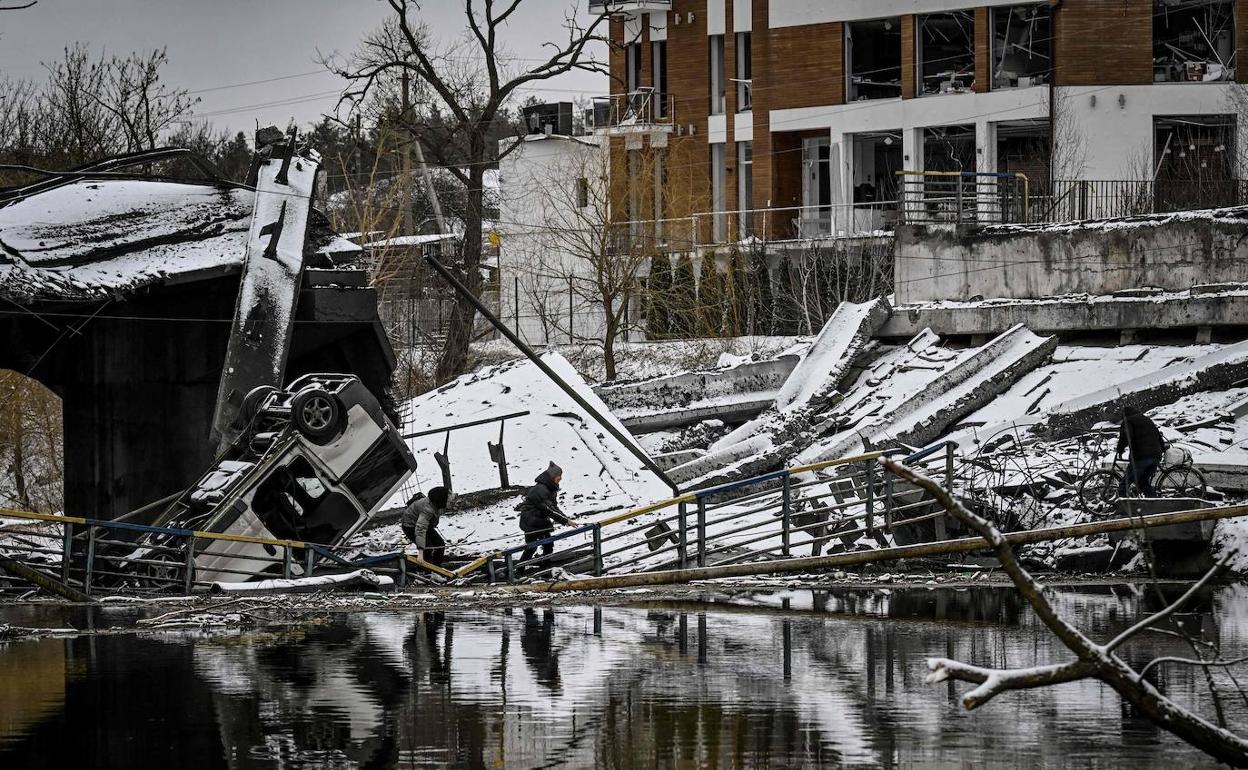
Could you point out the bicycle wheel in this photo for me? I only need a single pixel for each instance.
(1182, 481)
(1098, 492)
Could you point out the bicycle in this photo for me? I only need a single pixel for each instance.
(1098, 489)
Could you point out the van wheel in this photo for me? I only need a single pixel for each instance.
(316, 414)
(253, 400)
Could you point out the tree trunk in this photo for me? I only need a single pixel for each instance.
(454, 360)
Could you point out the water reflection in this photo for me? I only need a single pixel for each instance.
(792, 678)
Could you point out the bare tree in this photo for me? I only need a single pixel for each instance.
(469, 82)
(31, 451)
(1091, 660)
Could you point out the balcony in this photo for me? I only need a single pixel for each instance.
(629, 6)
(641, 112)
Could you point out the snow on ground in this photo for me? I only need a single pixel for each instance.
(648, 360)
(600, 473)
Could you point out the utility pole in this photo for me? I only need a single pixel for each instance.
(406, 164)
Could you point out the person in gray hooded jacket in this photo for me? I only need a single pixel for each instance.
(420, 518)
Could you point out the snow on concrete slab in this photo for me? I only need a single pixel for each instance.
(915, 413)
(826, 364)
(1078, 370)
(600, 473)
(1216, 370)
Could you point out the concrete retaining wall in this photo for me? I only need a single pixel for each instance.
(1173, 252)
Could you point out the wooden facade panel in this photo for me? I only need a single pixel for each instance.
(805, 67)
(983, 51)
(1104, 42)
(909, 67)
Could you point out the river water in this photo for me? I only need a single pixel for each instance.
(794, 678)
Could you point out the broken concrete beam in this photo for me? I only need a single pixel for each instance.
(1215, 371)
(825, 367)
(920, 418)
(677, 400)
(957, 393)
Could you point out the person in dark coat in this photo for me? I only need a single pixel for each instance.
(420, 524)
(539, 512)
(1140, 435)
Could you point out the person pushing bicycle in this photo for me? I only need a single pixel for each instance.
(1140, 435)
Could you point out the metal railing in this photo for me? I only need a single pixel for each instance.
(778, 225)
(1067, 200)
(643, 108)
(963, 198)
(94, 555)
(764, 517)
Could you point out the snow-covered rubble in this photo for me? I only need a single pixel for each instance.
(600, 474)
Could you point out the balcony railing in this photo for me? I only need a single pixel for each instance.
(643, 110)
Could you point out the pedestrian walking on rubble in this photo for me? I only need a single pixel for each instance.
(420, 518)
(539, 512)
(1141, 436)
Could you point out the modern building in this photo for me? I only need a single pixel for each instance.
(803, 114)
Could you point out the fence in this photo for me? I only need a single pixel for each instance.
(962, 197)
(765, 517)
(1083, 199)
(94, 555)
(644, 108)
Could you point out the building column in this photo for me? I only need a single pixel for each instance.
(986, 147)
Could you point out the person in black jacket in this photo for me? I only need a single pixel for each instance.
(540, 511)
(1141, 436)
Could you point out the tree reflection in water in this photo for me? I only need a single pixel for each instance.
(796, 678)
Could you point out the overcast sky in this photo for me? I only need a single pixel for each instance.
(216, 46)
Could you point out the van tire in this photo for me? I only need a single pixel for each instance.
(316, 414)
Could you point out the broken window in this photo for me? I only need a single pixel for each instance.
(949, 148)
(1194, 168)
(1021, 46)
(874, 53)
(717, 74)
(658, 51)
(632, 68)
(946, 53)
(745, 72)
(1193, 41)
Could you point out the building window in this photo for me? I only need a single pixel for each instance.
(717, 74)
(745, 186)
(745, 72)
(718, 197)
(949, 148)
(658, 54)
(873, 50)
(946, 55)
(632, 67)
(1193, 41)
(582, 193)
(1194, 162)
(1022, 49)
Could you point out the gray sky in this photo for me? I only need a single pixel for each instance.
(219, 44)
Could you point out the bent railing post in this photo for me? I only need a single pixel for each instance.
(310, 561)
(508, 565)
(786, 515)
(870, 501)
(701, 531)
(188, 568)
(67, 551)
(597, 550)
(86, 577)
(682, 544)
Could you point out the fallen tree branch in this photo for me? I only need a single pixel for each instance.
(1093, 661)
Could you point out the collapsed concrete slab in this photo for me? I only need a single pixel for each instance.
(924, 415)
(1215, 371)
(816, 380)
(738, 393)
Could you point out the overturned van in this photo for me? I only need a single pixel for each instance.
(313, 463)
